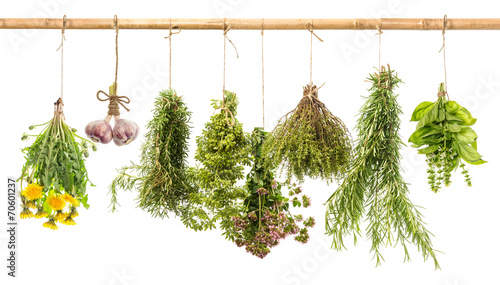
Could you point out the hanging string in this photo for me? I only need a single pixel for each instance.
(443, 48)
(61, 47)
(170, 33)
(115, 22)
(379, 28)
(224, 107)
(310, 28)
(113, 98)
(312, 88)
(263, 100)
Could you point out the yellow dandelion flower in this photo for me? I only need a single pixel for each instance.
(70, 199)
(41, 213)
(26, 213)
(74, 213)
(50, 224)
(69, 221)
(56, 202)
(33, 191)
(31, 204)
(60, 216)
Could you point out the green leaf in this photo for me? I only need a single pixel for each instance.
(84, 202)
(466, 136)
(421, 110)
(429, 149)
(451, 106)
(454, 128)
(468, 153)
(430, 117)
(418, 136)
(465, 116)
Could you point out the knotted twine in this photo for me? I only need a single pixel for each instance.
(113, 98)
(169, 37)
(443, 48)
(223, 107)
(61, 47)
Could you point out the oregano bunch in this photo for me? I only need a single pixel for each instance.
(264, 217)
(163, 178)
(444, 128)
(374, 184)
(309, 141)
(222, 152)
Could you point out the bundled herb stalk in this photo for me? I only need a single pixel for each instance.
(55, 172)
(223, 151)
(163, 178)
(264, 218)
(309, 141)
(374, 180)
(444, 129)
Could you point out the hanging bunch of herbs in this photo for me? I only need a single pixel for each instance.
(309, 141)
(374, 180)
(264, 217)
(222, 151)
(162, 178)
(444, 129)
(55, 172)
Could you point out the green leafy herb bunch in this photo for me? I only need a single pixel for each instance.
(55, 172)
(309, 141)
(444, 129)
(163, 178)
(222, 151)
(374, 180)
(264, 218)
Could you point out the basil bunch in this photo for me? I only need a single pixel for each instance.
(444, 129)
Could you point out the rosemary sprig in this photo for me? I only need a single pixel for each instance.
(163, 178)
(374, 180)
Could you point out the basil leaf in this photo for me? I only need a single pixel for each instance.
(429, 149)
(465, 116)
(421, 110)
(466, 136)
(429, 117)
(451, 106)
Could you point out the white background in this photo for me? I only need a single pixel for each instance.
(130, 247)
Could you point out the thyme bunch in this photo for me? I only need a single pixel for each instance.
(374, 180)
(309, 141)
(162, 178)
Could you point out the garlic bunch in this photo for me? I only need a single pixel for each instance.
(124, 131)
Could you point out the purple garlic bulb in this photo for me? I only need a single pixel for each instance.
(124, 132)
(99, 131)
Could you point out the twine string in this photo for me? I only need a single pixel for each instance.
(379, 33)
(61, 47)
(443, 48)
(114, 100)
(170, 33)
(223, 107)
(115, 23)
(310, 28)
(262, 51)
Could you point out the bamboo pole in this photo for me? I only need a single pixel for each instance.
(256, 24)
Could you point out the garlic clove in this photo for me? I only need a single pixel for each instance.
(124, 132)
(99, 131)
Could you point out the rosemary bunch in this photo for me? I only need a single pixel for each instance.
(223, 151)
(163, 178)
(444, 129)
(309, 141)
(374, 180)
